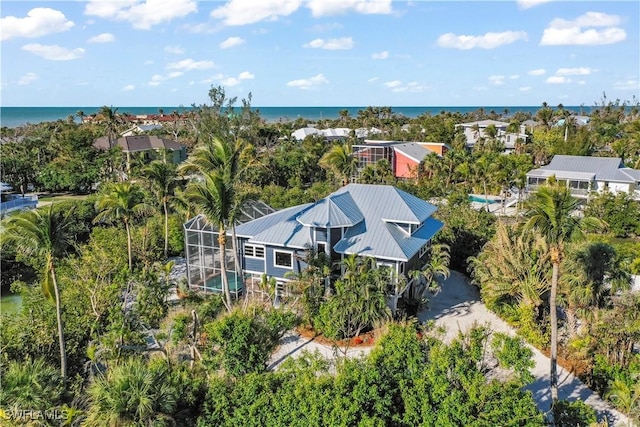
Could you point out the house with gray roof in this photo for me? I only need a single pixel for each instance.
(377, 221)
(147, 145)
(585, 174)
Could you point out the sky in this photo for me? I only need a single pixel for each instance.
(319, 52)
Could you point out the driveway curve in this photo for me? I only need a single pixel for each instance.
(457, 307)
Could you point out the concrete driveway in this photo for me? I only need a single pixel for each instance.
(457, 307)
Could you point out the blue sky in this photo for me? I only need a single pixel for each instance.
(319, 52)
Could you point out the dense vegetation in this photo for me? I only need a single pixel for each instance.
(96, 339)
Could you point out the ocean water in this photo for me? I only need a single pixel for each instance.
(17, 116)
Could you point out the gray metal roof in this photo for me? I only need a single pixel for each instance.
(333, 211)
(413, 150)
(599, 168)
(371, 214)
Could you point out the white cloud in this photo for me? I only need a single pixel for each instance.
(39, 21)
(410, 87)
(243, 12)
(189, 65)
(156, 79)
(53, 52)
(580, 32)
(141, 16)
(174, 50)
(486, 41)
(338, 7)
(514, 77)
(525, 89)
(580, 71)
(128, 88)
(102, 38)
(245, 75)
(344, 43)
(373, 79)
(526, 4)
(631, 84)
(497, 80)
(231, 42)
(556, 80)
(310, 83)
(380, 55)
(27, 79)
(537, 72)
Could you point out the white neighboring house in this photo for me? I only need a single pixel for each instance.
(474, 131)
(584, 174)
(140, 129)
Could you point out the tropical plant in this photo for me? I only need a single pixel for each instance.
(132, 393)
(30, 384)
(341, 161)
(122, 201)
(43, 235)
(551, 213)
(161, 177)
(426, 279)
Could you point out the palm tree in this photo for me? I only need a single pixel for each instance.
(45, 236)
(512, 269)
(161, 177)
(215, 198)
(341, 161)
(111, 120)
(122, 201)
(132, 393)
(218, 195)
(551, 212)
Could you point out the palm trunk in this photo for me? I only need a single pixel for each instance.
(63, 352)
(166, 228)
(126, 225)
(222, 241)
(553, 313)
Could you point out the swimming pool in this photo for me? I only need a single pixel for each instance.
(481, 199)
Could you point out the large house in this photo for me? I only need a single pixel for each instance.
(584, 174)
(150, 147)
(477, 131)
(378, 221)
(404, 158)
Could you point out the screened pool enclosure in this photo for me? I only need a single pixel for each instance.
(203, 253)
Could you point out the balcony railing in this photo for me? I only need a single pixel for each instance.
(18, 202)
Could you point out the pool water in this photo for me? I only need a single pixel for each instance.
(480, 199)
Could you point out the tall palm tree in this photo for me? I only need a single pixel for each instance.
(43, 234)
(122, 201)
(215, 198)
(161, 178)
(341, 161)
(551, 212)
(111, 120)
(219, 195)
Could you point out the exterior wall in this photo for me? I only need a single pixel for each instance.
(280, 272)
(612, 187)
(440, 149)
(404, 167)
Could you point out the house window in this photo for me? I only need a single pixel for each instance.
(254, 251)
(282, 259)
(423, 250)
(322, 248)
